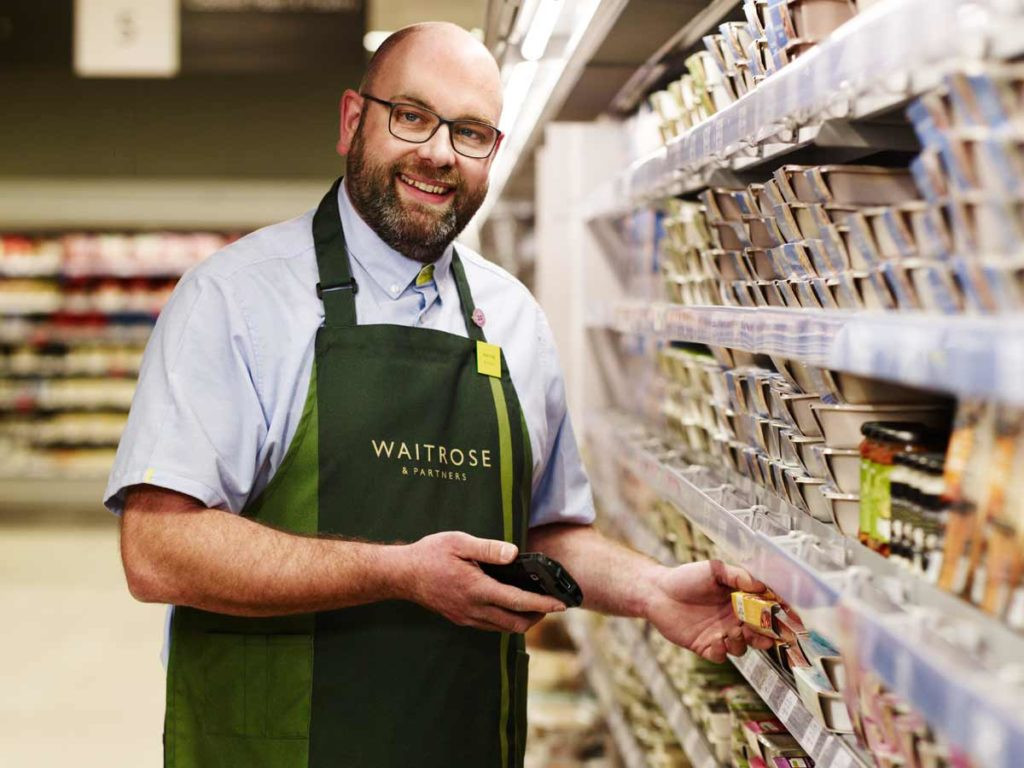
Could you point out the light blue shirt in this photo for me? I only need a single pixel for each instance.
(226, 370)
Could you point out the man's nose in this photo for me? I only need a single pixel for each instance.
(438, 149)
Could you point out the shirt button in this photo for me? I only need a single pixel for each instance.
(394, 288)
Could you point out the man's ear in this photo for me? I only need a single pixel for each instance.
(350, 109)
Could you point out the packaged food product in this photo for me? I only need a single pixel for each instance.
(968, 453)
(758, 612)
(997, 555)
(882, 441)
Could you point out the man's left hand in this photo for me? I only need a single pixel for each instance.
(691, 606)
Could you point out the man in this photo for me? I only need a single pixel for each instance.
(383, 411)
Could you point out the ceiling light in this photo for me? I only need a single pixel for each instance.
(541, 27)
(523, 18)
(372, 40)
(516, 90)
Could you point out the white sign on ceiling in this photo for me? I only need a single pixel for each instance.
(127, 38)
(271, 6)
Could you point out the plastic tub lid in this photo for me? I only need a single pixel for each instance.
(903, 433)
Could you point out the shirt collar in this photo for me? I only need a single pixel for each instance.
(392, 271)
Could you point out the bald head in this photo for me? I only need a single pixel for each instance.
(436, 44)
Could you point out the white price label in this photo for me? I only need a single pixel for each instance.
(811, 735)
(776, 694)
(843, 760)
(789, 703)
(758, 675)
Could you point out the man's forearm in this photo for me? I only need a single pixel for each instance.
(177, 551)
(614, 579)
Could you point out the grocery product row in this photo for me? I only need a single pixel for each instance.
(802, 703)
(76, 310)
(869, 63)
(935, 650)
(105, 254)
(738, 58)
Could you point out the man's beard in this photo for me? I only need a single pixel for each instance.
(419, 232)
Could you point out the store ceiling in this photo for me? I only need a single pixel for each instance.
(262, 86)
(250, 39)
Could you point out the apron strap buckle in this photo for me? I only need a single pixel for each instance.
(348, 285)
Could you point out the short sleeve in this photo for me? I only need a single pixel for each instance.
(196, 423)
(562, 493)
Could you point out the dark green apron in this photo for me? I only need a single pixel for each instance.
(400, 437)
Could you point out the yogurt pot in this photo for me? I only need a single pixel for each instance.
(854, 389)
(842, 467)
(840, 424)
(845, 511)
(818, 506)
(799, 414)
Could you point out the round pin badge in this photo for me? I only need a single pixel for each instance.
(478, 317)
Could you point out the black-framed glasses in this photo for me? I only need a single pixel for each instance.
(416, 124)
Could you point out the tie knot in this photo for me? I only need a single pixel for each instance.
(425, 275)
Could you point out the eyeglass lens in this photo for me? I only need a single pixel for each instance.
(468, 137)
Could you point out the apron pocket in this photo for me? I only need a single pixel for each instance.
(290, 684)
(521, 683)
(222, 666)
(257, 685)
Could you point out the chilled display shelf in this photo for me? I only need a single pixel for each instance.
(742, 517)
(34, 333)
(919, 651)
(884, 56)
(825, 748)
(600, 681)
(703, 22)
(972, 356)
(665, 695)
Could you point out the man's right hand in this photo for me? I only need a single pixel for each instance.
(442, 575)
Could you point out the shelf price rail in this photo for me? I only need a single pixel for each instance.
(971, 356)
(975, 707)
(825, 748)
(883, 56)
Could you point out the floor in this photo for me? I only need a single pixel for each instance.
(80, 676)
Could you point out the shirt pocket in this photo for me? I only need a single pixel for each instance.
(256, 685)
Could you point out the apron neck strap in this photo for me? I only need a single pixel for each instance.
(474, 331)
(337, 288)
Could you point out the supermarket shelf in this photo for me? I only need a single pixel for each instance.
(82, 277)
(665, 696)
(824, 747)
(873, 63)
(51, 494)
(53, 204)
(972, 356)
(702, 23)
(600, 681)
(943, 665)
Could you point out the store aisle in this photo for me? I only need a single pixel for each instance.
(80, 675)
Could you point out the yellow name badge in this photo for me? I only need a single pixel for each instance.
(488, 359)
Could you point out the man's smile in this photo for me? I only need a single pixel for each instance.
(427, 191)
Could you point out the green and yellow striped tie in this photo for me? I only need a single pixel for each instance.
(425, 276)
